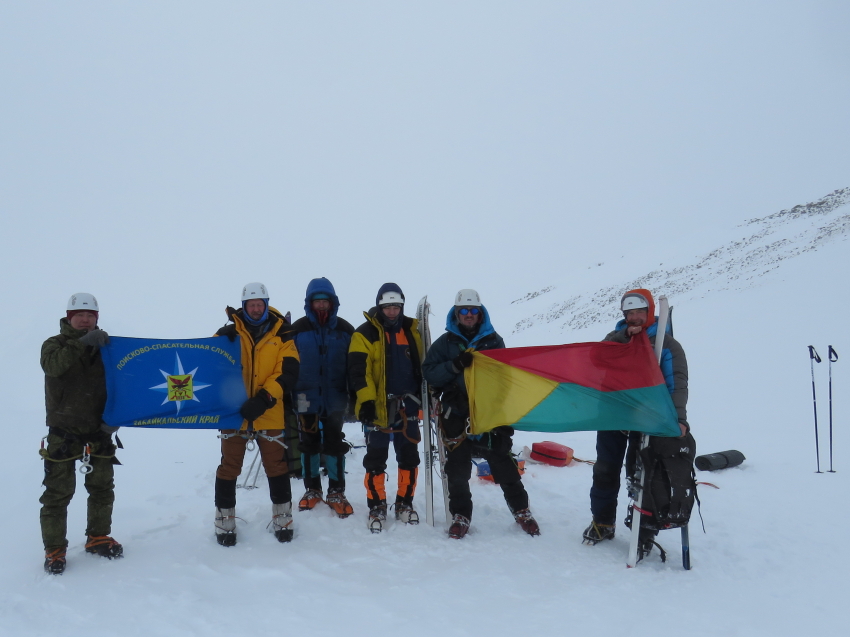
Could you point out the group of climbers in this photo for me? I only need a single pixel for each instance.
(325, 372)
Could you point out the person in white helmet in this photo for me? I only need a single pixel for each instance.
(468, 328)
(75, 396)
(384, 370)
(270, 370)
(638, 309)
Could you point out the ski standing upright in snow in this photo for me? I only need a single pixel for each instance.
(672, 490)
(432, 447)
(640, 475)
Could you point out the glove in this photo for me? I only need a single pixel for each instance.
(229, 333)
(255, 407)
(368, 414)
(107, 429)
(97, 338)
(464, 359)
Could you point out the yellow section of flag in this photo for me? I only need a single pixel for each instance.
(500, 394)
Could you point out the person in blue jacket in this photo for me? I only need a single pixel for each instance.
(321, 397)
(468, 328)
(638, 309)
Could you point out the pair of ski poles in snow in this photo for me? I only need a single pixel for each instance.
(815, 358)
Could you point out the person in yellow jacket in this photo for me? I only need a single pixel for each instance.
(384, 369)
(270, 370)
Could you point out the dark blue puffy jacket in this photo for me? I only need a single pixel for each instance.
(323, 350)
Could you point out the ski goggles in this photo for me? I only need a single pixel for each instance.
(469, 310)
(386, 305)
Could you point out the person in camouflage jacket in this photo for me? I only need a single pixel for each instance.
(75, 396)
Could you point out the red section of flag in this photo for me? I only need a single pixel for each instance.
(603, 366)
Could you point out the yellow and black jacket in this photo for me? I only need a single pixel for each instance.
(367, 361)
(271, 364)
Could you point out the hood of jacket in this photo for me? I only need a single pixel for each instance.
(316, 286)
(485, 328)
(647, 296)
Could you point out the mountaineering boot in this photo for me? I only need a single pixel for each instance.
(309, 500)
(597, 532)
(225, 526)
(104, 546)
(377, 517)
(54, 561)
(282, 522)
(405, 513)
(339, 503)
(459, 527)
(527, 522)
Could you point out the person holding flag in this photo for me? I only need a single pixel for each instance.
(468, 328)
(75, 396)
(270, 368)
(638, 309)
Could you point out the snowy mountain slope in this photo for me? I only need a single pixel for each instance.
(736, 265)
(772, 560)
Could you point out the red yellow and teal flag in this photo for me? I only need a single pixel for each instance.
(600, 386)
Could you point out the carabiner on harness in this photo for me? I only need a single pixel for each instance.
(85, 466)
(277, 439)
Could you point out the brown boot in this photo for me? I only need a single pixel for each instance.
(104, 546)
(54, 561)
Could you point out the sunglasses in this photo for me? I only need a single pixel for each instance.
(469, 310)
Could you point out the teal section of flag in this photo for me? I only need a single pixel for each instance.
(571, 407)
(174, 384)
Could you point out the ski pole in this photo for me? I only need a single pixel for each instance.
(814, 358)
(833, 357)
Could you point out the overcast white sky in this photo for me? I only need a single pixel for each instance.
(162, 154)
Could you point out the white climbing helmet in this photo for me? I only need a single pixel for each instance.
(391, 297)
(468, 298)
(254, 291)
(83, 301)
(633, 301)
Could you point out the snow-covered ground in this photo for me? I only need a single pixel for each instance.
(160, 155)
(772, 560)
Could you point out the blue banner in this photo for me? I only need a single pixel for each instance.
(180, 384)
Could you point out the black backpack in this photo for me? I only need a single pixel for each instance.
(671, 486)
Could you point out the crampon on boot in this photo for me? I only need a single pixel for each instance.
(646, 540)
(377, 517)
(54, 561)
(309, 500)
(597, 532)
(225, 526)
(459, 527)
(282, 522)
(405, 513)
(339, 503)
(527, 522)
(104, 546)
